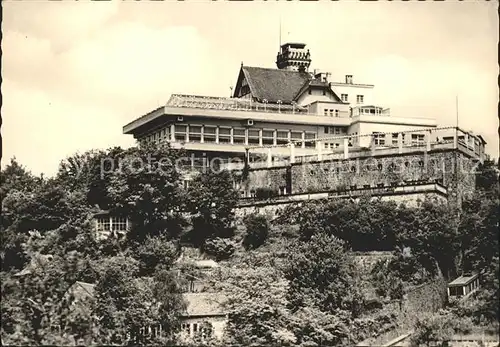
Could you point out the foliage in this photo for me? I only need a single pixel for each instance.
(257, 307)
(368, 223)
(257, 230)
(155, 253)
(219, 247)
(322, 274)
(146, 187)
(35, 302)
(125, 306)
(438, 327)
(387, 281)
(211, 198)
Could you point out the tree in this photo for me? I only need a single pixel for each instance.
(432, 235)
(34, 304)
(211, 200)
(146, 188)
(256, 306)
(155, 253)
(322, 274)
(16, 177)
(438, 328)
(257, 231)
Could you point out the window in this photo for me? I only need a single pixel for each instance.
(337, 131)
(324, 91)
(281, 137)
(395, 139)
(331, 113)
(253, 136)
(239, 135)
(417, 139)
(379, 139)
(336, 113)
(326, 130)
(344, 97)
(360, 99)
(310, 136)
(224, 135)
(327, 145)
(103, 224)
(296, 135)
(119, 224)
(180, 132)
(326, 112)
(209, 134)
(195, 133)
(267, 137)
(310, 91)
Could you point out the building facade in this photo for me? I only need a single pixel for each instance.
(284, 124)
(273, 107)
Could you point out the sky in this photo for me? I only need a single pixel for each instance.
(74, 73)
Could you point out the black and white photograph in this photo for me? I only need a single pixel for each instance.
(250, 173)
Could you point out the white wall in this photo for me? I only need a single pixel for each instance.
(352, 91)
(386, 124)
(316, 95)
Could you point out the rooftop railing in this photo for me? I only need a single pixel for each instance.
(233, 104)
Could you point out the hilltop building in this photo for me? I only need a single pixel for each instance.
(286, 123)
(275, 107)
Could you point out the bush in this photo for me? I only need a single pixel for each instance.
(257, 231)
(220, 248)
(154, 253)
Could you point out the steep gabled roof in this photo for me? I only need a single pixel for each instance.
(318, 84)
(272, 84)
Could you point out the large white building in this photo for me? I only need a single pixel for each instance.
(287, 106)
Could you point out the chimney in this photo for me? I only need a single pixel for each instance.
(348, 79)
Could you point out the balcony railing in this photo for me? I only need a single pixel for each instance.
(232, 104)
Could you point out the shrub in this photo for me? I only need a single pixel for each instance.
(220, 248)
(154, 253)
(257, 231)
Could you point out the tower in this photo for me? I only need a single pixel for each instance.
(294, 57)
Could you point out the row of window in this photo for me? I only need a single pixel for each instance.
(331, 112)
(191, 329)
(380, 139)
(334, 130)
(111, 223)
(230, 135)
(359, 98)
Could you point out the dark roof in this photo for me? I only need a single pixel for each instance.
(274, 84)
(463, 280)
